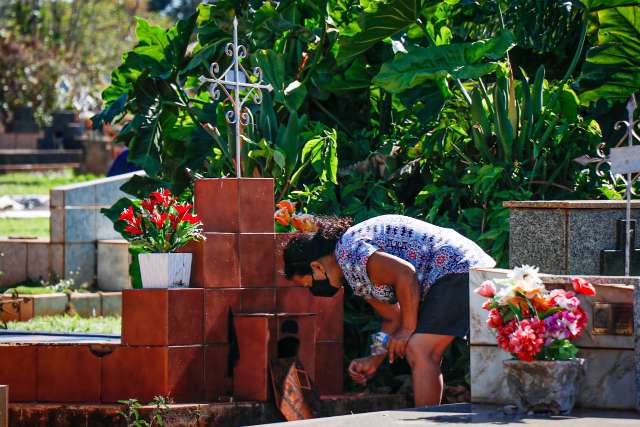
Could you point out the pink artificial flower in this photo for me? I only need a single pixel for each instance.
(486, 289)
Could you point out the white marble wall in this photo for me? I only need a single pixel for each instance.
(609, 382)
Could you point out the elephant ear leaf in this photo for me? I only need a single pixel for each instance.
(612, 67)
(437, 63)
(389, 19)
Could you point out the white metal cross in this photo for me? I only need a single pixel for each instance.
(236, 84)
(624, 161)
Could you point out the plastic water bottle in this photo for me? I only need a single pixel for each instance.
(379, 343)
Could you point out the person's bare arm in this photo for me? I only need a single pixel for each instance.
(386, 269)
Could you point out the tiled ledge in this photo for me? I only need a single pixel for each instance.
(570, 204)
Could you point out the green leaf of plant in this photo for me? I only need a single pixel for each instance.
(112, 110)
(294, 95)
(612, 68)
(595, 5)
(389, 19)
(460, 60)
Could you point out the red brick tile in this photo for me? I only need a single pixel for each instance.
(216, 202)
(217, 304)
(303, 329)
(134, 373)
(232, 205)
(281, 240)
(256, 205)
(295, 300)
(330, 321)
(256, 259)
(329, 367)
(18, 371)
(162, 316)
(258, 300)
(220, 261)
(251, 372)
(217, 379)
(68, 373)
(197, 262)
(186, 374)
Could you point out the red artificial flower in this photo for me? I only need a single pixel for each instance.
(174, 221)
(282, 216)
(183, 209)
(148, 205)
(495, 319)
(127, 214)
(582, 321)
(191, 219)
(286, 204)
(162, 196)
(523, 338)
(158, 219)
(133, 230)
(581, 286)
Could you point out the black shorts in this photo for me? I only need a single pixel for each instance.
(445, 309)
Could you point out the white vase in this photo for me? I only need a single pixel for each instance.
(165, 270)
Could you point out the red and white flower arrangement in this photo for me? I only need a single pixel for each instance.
(531, 322)
(288, 220)
(160, 223)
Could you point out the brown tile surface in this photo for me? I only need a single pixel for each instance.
(329, 367)
(218, 382)
(18, 371)
(330, 321)
(295, 300)
(68, 373)
(162, 316)
(258, 300)
(251, 373)
(303, 329)
(134, 373)
(216, 202)
(197, 262)
(256, 205)
(281, 240)
(217, 304)
(256, 259)
(220, 261)
(186, 374)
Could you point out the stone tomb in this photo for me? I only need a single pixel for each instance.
(607, 344)
(209, 342)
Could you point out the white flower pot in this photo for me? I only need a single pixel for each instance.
(165, 270)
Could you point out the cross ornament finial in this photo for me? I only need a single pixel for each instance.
(235, 83)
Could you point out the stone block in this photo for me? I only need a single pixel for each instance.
(111, 303)
(83, 194)
(251, 371)
(608, 384)
(49, 304)
(218, 303)
(162, 316)
(17, 370)
(256, 259)
(56, 198)
(258, 300)
(86, 304)
(56, 225)
(38, 260)
(538, 237)
(13, 262)
(80, 262)
(329, 367)
(67, 373)
(56, 259)
(113, 265)
(590, 231)
(281, 240)
(478, 331)
(176, 372)
(104, 228)
(233, 205)
(218, 379)
(108, 190)
(80, 224)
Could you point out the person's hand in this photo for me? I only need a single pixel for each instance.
(361, 370)
(398, 342)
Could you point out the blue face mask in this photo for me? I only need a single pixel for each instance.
(323, 288)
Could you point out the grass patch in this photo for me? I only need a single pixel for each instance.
(66, 323)
(35, 183)
(24, 227)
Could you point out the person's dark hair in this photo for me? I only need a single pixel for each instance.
(304, 248)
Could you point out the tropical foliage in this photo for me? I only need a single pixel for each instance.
(441, 110)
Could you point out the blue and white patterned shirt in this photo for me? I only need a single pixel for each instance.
(433, 251)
